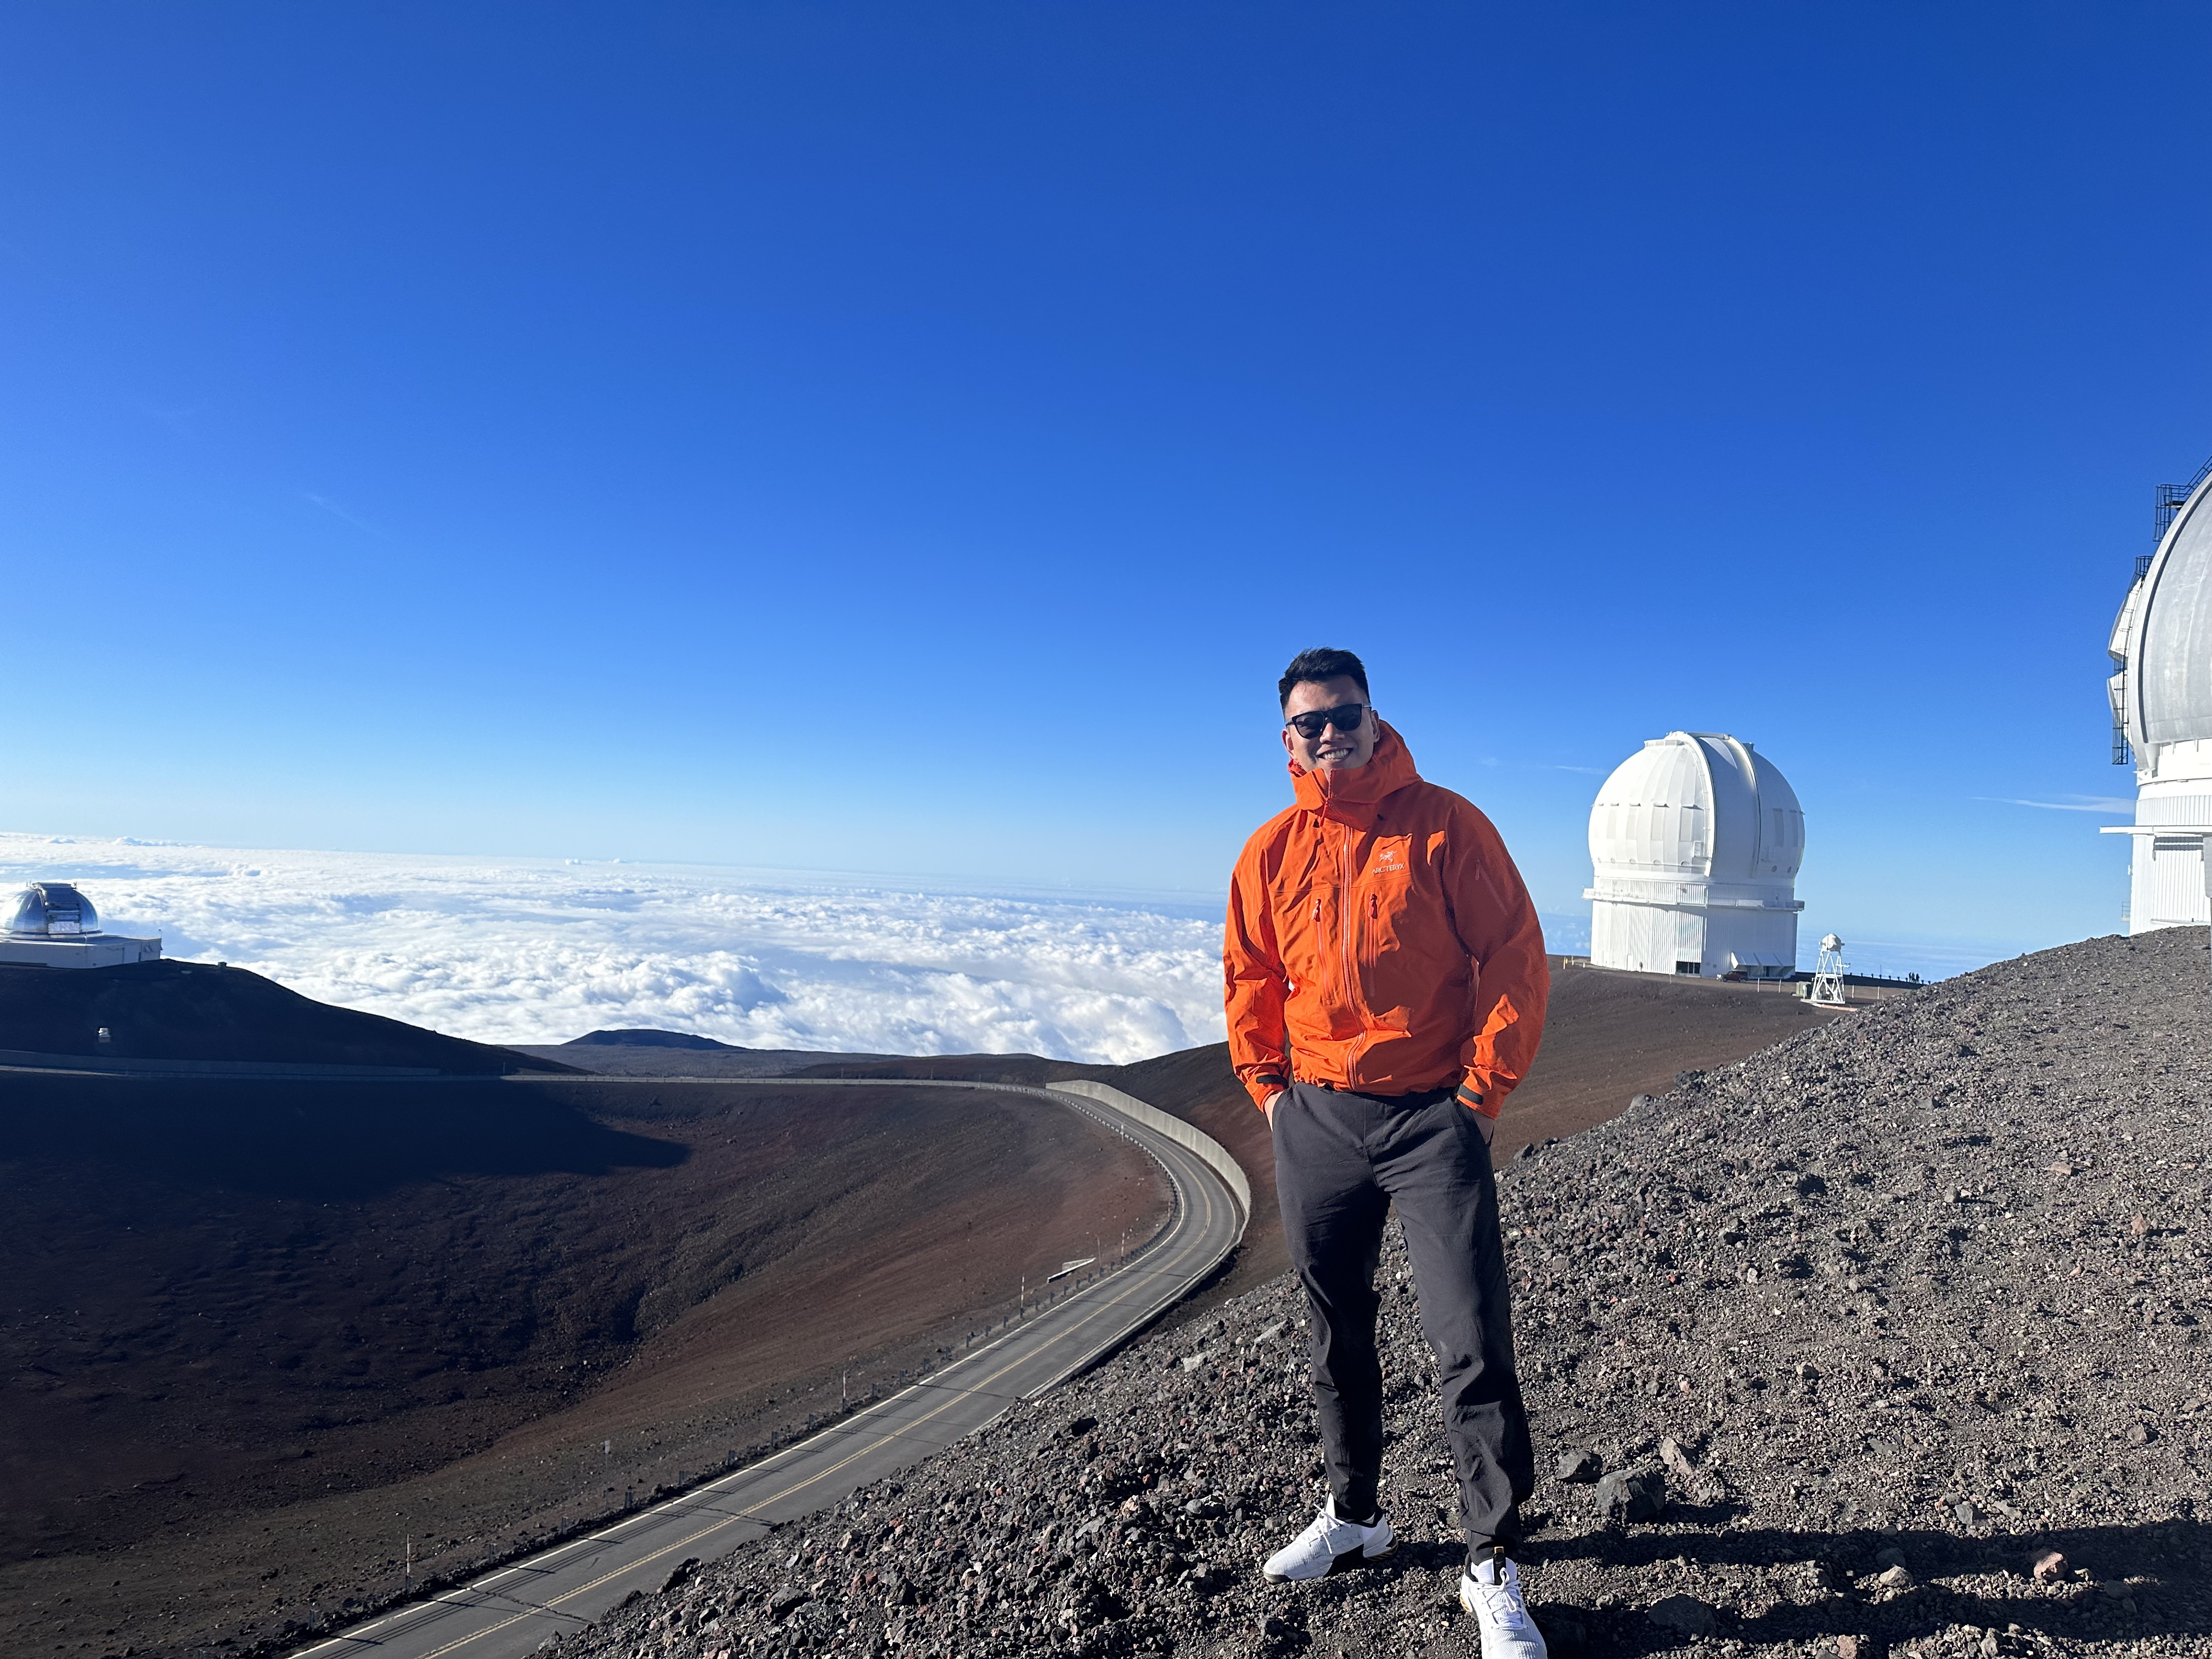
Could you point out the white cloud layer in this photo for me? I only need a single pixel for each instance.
(542, 951)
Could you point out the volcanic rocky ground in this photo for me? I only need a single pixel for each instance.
(1877, 1320)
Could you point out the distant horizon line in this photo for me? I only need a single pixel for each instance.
(977, 885)
(1212, 903)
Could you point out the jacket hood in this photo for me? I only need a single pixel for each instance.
(1353, 796)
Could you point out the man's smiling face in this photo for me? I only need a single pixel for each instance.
(1332, 750)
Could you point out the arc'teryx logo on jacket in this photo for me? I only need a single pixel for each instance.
(1379, 939)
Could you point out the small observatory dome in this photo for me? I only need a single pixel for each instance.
(53, 909)
(2161, 696)
(1695, 842)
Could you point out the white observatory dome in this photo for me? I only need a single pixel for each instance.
(2161, 696)
(52, 909)
(1695, 842)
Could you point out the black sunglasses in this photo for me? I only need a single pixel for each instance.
(1345, 717)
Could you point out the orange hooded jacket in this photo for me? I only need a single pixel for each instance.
(1380, 939)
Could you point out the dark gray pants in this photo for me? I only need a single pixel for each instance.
(1342, 1161)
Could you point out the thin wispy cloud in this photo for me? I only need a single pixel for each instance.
(338, 512)
(2112, 806)
(543, 950)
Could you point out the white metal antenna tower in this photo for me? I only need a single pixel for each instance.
(1828, 974)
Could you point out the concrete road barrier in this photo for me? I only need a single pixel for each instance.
(1210, 1151)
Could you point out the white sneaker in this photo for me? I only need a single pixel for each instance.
(1490, 1590)
(1328, 1545)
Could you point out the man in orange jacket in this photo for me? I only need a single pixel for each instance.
(1386, 989)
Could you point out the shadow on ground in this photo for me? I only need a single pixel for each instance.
(2157, 1564)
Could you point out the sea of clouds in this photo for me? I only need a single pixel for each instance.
(544, 950)
(521, 949)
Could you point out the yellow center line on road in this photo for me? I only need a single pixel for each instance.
(553, 1602)
(1105, 1298)
(733, 1520)
(1105, 1305)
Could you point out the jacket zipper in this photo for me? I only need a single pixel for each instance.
(1348, 918)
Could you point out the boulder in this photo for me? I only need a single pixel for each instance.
(1632, 1496)
(1580, 1466)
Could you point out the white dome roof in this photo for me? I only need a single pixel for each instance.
(1699, 805)
(2163, 639)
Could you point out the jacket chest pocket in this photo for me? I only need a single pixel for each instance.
(1304, 914)
(1388, 893)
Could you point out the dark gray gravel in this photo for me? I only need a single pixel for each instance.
(1892, 1310)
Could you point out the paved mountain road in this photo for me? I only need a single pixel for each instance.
(511, 1610)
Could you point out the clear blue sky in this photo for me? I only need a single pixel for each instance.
(912, 439)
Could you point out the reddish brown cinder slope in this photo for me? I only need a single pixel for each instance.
(259, 1335)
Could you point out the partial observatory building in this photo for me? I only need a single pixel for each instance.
(54, 926)
(1696, 842)
(2161, 697)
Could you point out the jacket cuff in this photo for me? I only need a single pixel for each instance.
(1263, 1085)
(1471, 1097)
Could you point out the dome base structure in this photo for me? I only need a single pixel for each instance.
(1695, 844)
(2169, 879)
(1648, 935)
(98, 951)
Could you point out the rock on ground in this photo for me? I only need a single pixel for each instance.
(1894, 1310)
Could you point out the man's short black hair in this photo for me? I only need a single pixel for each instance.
(1322, 662)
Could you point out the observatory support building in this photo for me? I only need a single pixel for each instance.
(1695, 843)
(2161, 696)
